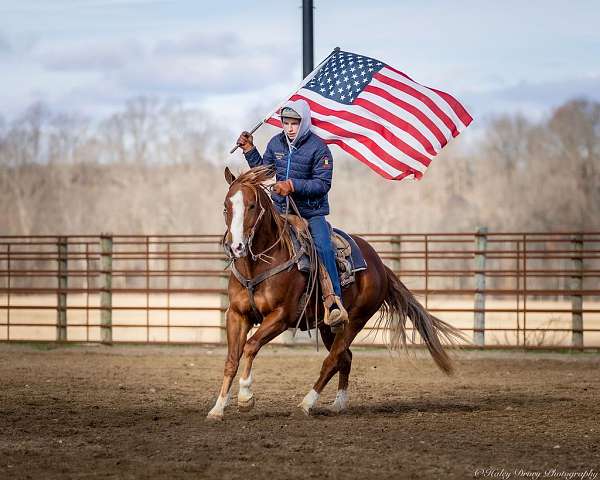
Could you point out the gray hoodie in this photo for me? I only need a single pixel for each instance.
(302, 109)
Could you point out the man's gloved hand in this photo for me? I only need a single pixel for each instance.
(245, 142)
(284, 188)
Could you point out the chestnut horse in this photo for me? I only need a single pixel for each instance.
(255, 226)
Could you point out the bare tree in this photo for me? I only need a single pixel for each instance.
(157, 167)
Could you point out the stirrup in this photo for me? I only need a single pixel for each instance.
(338, 316)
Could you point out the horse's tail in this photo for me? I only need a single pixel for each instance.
(400, 303)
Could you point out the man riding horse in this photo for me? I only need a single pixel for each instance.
(303, 169)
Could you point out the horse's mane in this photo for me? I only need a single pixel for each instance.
(254, 179)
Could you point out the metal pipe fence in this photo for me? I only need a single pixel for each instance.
(517, 289)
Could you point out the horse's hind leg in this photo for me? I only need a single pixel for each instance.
(237, 331)
(339, 359)
(345, 364)
(341, 397)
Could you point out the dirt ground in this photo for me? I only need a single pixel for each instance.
(139, 412)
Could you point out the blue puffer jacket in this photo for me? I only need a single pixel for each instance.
(310, 167)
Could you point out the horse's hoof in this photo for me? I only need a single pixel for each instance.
(214, 417)
(246, 405)
(308, 411)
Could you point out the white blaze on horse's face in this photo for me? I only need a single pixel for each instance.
(238, 245)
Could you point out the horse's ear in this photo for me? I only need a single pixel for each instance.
(229, 177)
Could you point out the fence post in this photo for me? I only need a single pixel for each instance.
(61, 296)
(223, 301)
(396, 244)
(577, 284)
(479, 316)
(106, 248)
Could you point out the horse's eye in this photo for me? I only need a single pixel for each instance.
(225, 211)
(251, 206)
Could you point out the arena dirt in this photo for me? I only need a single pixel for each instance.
(139, 412)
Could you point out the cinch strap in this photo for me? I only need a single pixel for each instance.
(251, 283)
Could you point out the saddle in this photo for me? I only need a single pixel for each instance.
(349, 258)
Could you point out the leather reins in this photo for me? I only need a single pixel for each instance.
(250, 284)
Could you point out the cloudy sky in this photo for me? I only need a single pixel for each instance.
(237, 58)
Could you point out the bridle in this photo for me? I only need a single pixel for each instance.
(251, 283)
(261, 255)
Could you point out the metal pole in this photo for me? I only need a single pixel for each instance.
(106, 254)
(396, 245)
(168, 291)
(147, 289)
(577, 285)
(307, 38)
(8, 285)
(223, 300)
(518, 287)
(524, 290)
(480, 260)
(426, 271)
(61, 310)
(87, 293)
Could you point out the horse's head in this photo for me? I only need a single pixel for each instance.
(245, 205)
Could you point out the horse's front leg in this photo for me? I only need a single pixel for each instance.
(272, 325)
(238, 327)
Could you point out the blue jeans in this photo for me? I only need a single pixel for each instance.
(319, 229)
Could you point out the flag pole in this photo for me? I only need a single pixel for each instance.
(304, 82)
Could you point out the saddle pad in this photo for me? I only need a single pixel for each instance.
(356, 257)
(358, 260)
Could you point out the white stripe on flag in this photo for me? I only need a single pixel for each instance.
(368, 155)
(359, 147)
(404, 115)
(415, 102)
(375, 137)
(402, 135)
(439, 101)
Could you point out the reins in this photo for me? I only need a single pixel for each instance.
(251, 283)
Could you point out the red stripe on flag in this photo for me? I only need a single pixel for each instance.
(460, 111)
(397, 121)
(367, 142)
(401, 73)
(351, 151)
(346, 148)
(369, 124)
(455, 105)
(274, 121)
(359, 156)
(380, 92)
(422, 97)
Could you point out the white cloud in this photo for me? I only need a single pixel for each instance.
(5, 47)
(88, 56)
(91, 54)
(533, 99)
(205, 73)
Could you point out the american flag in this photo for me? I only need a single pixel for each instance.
(379, 115)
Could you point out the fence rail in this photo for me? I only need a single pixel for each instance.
(518, 289)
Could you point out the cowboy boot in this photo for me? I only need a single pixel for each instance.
(338, 316)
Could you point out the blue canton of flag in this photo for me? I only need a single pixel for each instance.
(344, 76)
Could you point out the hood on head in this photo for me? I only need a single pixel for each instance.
(302, 109)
